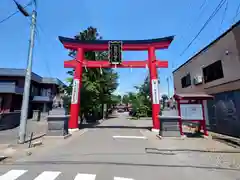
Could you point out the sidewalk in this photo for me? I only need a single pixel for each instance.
(213, 143)
(11, 149)
(231, 141)
(195, 151)
(9, 138)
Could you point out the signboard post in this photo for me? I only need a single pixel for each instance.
(75, 91)
(115, 52)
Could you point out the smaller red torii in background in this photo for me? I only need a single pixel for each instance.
(127, 45)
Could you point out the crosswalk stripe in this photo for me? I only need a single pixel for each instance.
(48, 175)
(12, 174)
(85, 177)
(51, 175)
(122, 178)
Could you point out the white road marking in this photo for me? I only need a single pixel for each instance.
(48, 175)
(122, 178)
(51, 175)
(85, 177)
(13, 174)
(130, 137)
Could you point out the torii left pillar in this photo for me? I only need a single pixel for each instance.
(75, 101)
(154, 88)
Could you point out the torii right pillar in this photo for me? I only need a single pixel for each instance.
(154, 88)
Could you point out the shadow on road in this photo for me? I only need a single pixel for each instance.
(122, 127)
(123, 164)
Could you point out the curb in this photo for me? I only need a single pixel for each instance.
(35, 137)
(59, 137)
(195, 150)
(223, 136)
(101, 121)
(232, 140)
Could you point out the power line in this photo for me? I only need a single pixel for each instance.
(224, 14)
(237, 13)
(205, 24)
(203, 4)
(11, 15)
(5, 19)
(38, 40)
(39, 27)
(202, 8)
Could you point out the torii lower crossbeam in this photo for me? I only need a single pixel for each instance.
(107, 64)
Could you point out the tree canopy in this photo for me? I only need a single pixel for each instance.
(125, 99)
(140, 101)
(97, 84)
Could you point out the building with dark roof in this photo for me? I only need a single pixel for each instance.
(43, 91)
(215, 70)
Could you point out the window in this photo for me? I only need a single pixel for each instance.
(186, 81)
(9, 81)
(1, 103)
(213, 72)
(34, 91)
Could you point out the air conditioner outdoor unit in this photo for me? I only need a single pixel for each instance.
(198, 80)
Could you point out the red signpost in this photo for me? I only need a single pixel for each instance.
(103, 45)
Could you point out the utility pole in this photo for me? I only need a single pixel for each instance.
(168, 87)
(27, 85)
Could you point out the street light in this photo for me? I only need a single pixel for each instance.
(25, 101)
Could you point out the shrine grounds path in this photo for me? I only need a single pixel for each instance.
(121, 150)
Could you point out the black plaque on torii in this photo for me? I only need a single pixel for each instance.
(115, 52)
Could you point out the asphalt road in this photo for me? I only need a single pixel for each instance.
(114, 150)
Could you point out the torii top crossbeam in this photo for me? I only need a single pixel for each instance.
(127, 45)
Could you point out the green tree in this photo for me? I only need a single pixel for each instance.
(144, 95)
(97, 84)
(125, 99)
(115, 99)
(141, 101)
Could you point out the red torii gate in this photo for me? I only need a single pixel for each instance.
(127, 45)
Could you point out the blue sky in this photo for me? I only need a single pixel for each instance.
(125, 19)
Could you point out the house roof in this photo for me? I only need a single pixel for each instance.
(12, 72)
(188, 96)
(209, 45)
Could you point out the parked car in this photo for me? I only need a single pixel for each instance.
(121, 110)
